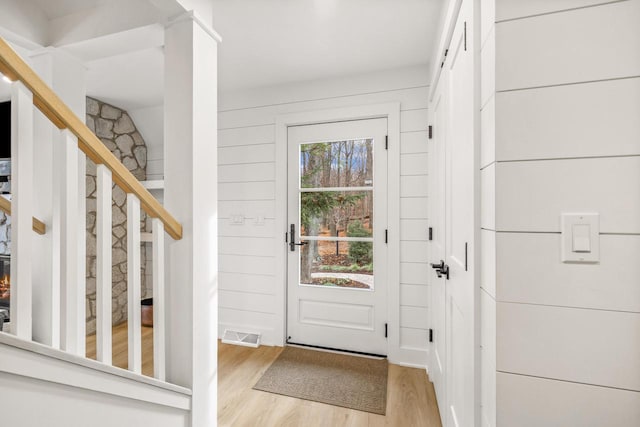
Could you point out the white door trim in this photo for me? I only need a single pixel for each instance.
(390, 111)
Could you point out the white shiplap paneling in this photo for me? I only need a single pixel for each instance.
(247, 166)
(414, 142)
(488, 261)
(590, 119)
(413, 207)
(530, 271)
(413, 273)
(586, 346)
(247, 172)
(256, 153)
(514, 9)
(247, 136)
(533, 194)
(411, 99)
(414, 296)
(243, 282)
(488, 197)
(552, 403)
(569, 47)
(414, 229)
(413, 164)
(488, 358)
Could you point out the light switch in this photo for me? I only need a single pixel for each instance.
(580, 238)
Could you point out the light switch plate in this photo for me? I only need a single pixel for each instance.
(580, 237)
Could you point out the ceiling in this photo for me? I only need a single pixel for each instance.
(265, 43)
(57, 8)
(278, 41)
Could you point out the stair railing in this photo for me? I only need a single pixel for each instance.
(76, 142)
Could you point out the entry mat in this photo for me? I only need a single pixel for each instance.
(336, 379)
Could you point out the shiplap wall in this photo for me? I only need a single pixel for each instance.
(246, 156)
(560, 133)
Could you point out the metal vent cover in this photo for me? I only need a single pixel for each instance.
(247, 339)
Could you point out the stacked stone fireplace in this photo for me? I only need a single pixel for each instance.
(118, 132)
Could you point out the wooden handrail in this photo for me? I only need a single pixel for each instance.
(38, 226)
(13, 67)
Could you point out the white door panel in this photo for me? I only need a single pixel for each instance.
(453, 217)
(337, 193)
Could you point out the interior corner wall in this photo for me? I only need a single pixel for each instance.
(246, 153)
(560, 134)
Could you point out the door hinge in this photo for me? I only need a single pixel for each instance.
(430, 233)
(386, 142)
(430, 335)
(430, 132)
(465, 36)
(386, 236)
(286, 237)
(386, 330)
(466, 256)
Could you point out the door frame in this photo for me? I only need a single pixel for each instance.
(390, 111)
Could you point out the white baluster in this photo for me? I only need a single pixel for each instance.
(81, 294)
(133, 283)
(103, 264)
(158, 299)
(56, 236)
(21, 209)
(71, 313)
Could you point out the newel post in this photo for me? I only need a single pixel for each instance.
(190, 119)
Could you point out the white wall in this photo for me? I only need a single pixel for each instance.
(40, 386)
(247, 186)
(560, 133)
(150, 124)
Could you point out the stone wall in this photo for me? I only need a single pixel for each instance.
(5, 234)
(117, 131)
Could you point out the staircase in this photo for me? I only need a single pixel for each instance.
(30, 370)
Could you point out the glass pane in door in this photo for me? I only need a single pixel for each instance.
(337, 164)
(336, 214)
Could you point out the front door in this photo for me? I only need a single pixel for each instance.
(337, 255)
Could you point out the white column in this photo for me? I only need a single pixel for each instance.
(191, 195)
(21, 209)
(158, 299)
(71, 308)
(103, 264)
(65, 74)
(133, 283)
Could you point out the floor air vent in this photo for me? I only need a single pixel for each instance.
(246, 339)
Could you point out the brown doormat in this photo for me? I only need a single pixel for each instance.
(337, 379)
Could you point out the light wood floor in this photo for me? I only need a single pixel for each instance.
(410, 396)
(120, 348)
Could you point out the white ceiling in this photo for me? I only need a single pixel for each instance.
(278, 41)
(57, 8)
(265, 43)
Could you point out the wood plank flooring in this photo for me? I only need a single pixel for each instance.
(120, 348)
(410, 400)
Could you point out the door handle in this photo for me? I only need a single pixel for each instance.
(438, 266)
(441, 269)
(292, 243)
(444, 271)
